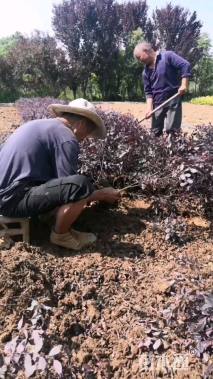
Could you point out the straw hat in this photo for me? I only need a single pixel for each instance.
(84, 108)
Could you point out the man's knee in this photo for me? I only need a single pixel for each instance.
(79, 187)
(174, 118)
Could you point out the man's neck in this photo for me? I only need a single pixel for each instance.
(154, 59)
(72, 128)
(65, 121)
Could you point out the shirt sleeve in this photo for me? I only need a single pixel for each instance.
(147, 85)
(180, 63)
(66, 158)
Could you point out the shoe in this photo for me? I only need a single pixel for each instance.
(73, 239)
(84, 238)
(66, 240)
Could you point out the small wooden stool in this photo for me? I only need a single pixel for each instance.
(23, 228)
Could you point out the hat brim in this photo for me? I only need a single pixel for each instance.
(100, 130)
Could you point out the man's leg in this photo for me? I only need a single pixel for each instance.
(69, 195)
(63, 234)
(53, 194)
(67, 215)
(158, 122)
(174, 117)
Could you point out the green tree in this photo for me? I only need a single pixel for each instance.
(7, 43)
(8, 88)
(203, 70)
(39, 66)
(131, 85)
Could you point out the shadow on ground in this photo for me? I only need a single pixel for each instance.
(112, 225)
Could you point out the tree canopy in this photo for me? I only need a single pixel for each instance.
(91, 53)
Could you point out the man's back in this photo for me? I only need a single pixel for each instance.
(35, 153)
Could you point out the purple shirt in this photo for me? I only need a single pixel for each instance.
(36, 152)
(164, 80)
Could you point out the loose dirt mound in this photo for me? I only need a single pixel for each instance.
(134, 306)
(132, 299)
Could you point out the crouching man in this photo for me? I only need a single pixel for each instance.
(38, 171)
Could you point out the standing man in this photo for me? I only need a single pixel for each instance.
(165, 74)
(38, 171)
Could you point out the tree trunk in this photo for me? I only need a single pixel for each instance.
(74, 90)
(84, 88)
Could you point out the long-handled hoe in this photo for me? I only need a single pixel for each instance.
(160, 106)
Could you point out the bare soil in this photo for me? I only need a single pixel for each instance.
(9, 119)
(193, 115)
(110, 303)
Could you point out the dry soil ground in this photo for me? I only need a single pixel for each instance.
(124, 309)
(192, 114)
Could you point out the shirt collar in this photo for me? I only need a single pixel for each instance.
(157, 57)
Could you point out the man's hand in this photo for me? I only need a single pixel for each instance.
(184, 86)
(182, 90)
(148, 113)
(149, 107)
(108, 195)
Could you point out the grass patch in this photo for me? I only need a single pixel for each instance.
(203, 100)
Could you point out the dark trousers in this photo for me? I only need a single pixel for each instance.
(30, 200)
(169, 116)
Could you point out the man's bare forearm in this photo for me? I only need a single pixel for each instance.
(184, 86)
(95, 196)
(185, 83)
(107, 194)
(149, 106)
(149, 103)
